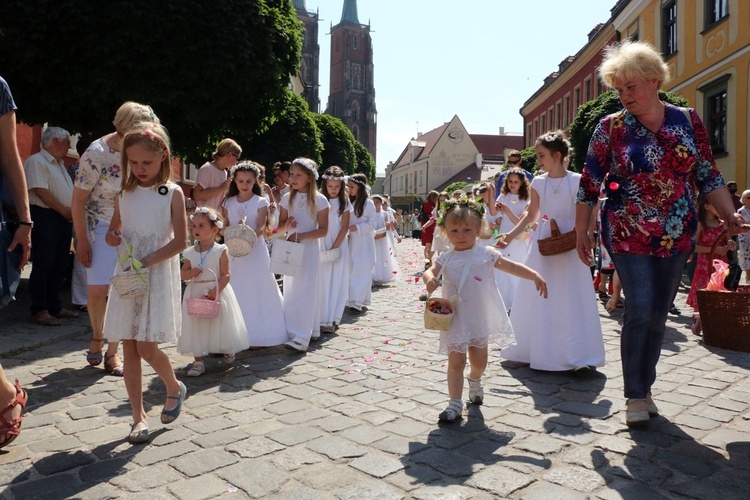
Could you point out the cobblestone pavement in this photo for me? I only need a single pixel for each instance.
(356, 417)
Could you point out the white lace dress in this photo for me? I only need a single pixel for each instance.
(361, 256)
(386, 268)
(333, 277)
(225, 334)
(154, 316)
(479, 318)
(254, 285)
(516, 251)
(562, 332)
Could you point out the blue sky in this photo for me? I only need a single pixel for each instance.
(478, 59)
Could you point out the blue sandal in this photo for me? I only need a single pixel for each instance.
(169, 416)
(95, 358)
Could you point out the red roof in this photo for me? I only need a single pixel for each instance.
(493, 146)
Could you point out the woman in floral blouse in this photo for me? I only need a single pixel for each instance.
(97, 182)
(653, 159)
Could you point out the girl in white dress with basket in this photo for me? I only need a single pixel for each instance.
(333, 274)
(508, 209)
(256, 290)
(471, 295)
(211, 317)
(144, 307)
(386, 268)
(563, 333)
(361, 244)
(304, 215)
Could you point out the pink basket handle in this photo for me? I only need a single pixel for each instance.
(216, 280)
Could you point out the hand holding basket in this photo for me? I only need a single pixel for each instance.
(204, 308)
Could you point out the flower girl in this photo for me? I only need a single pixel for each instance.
(205, 263)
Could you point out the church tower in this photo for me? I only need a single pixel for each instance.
(310, 61)
(352, 89)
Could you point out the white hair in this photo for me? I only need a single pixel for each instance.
(52, 133)
(745, 193)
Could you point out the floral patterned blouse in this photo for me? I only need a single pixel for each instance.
(651, 181)
(99, 173)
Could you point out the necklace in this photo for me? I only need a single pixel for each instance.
(243, 207)
(202, 255)
(556, 190)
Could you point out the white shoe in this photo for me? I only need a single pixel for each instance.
(197, 369)
(476, 394)
(293, 345)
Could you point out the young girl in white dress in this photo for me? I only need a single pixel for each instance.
(255, 287)
(361, 244)
(469, 282)
(149, 217)
(225, 334)
(304, 215)
(508, 209)
(440, 241)
(386, 269)
(563, 333)
(744, 239)
(333, 277)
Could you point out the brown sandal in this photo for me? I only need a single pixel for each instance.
(45, 318)
(113, 365)
(10, 429)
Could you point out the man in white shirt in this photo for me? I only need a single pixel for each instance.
(50, 195)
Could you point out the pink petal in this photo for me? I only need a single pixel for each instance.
(477, 278)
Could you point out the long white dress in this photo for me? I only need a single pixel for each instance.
(361, 256)
(386, 267)
(301, 311)
(224, 334)
(333, 277)
(516, 251)
(154, 316)
(562, 332)
(257, 293)
(479, 318)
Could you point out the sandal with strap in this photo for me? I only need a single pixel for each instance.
(476, 393)
(113, 365)
(11, 428)
(197, 369)
(169, 416)
(140, 435)
(95, 358)
(452, 412)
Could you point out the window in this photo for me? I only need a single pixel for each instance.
(716, 10)
(544, 124)
(355, 131)
(587, 86)
(633, 32)
(599, 87)
(567, 110)
(420, 178)
(529, 134)
(715, 102)
(551, 118)
(559, 115)
(576, 99)
(354, 111)
(355, 42)
(669, 28)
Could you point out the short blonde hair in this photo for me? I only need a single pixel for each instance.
(226, 147)
(630, 59)
(131, 114)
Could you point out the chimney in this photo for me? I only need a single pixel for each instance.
(501, 131)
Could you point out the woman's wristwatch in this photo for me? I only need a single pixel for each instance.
(26, 223)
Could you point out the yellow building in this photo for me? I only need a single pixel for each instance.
(707, 45)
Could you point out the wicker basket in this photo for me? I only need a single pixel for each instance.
(204, 308)
(725, 316)
(332, 255)
(130, 284)
(557, 243)
(436, 321)
(239, 239)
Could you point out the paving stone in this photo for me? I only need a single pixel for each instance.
(217, 424)
(377, 464)
(406, 427)
(370, 489)
(203, 461)
(170, 435)
(576, 478)
(696, 422)
(722, 437)
(61, 462)
(147, 478)
(56, 486)
(291, 459)
(104, 470)
(541, 445)
(198, 488)
(287, 406)
(35, 420)
(156, 454)
(255, 477)
(499, 481)
(255, 446)
(63, 443)
(542, 490)
(702, 488)
(220, 438)
(299, 492)
(289, 436)
(336, 423)
(590, 410)
(304, 416)
(626, 489)
(335, 447)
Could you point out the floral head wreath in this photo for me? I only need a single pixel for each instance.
(552, 137)
(247, 165)
(308, 165)
(208, 213)
(327, 177)
(358, 181)
(463, 201)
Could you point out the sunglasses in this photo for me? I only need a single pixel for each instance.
(514, 162)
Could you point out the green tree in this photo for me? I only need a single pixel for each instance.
(454, 186)
(338, 144)
(209, 69)
(589, 115)
(365, 163)
(292, 134)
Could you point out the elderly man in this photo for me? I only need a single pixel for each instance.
(50, 195)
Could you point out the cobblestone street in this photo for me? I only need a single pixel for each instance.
(356, 417)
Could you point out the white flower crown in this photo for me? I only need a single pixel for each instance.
(334, 178)
(308, 165)
(246, 165)
(211, 216)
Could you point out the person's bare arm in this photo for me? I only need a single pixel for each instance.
(12, 169)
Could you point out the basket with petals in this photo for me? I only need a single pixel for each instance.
(204, 308)
(557, 243)
(133, 281)
(438, 314)
(239, 239)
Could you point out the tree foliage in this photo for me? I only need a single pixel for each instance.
(455, 186)
(292, 134)
(338, 144)
(589, 115)
(365, 163)
(209, 69)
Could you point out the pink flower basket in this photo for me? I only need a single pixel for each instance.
(204, 308)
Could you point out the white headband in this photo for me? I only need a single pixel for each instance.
(246, 165)
(208, 213)
(308, 165)
(334, 178)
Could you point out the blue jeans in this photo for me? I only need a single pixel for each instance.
(650, 284)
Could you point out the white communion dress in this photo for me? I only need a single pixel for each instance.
(225, 334)
(516, 251)
(254, 285)
(386, 268)
(361, 256)
(562, 332)
(333, 277)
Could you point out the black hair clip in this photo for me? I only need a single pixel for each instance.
(163, 190)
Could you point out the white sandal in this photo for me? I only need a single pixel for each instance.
(229, 358)
(452, 412)
(476, 394)
(198, 368)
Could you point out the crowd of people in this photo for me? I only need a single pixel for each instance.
(333, 240)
